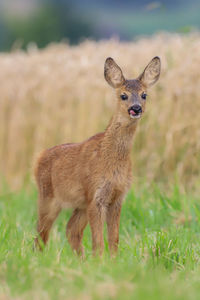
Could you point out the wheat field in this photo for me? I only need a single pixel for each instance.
(59, 95)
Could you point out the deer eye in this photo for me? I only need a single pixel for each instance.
(124, 96)
(144, 96)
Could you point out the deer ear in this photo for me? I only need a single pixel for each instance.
(151, 72)
(113, 74)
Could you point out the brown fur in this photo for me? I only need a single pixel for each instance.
(94, 176)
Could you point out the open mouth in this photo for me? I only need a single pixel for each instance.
(133, 114)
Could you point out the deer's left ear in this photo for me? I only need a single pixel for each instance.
(151, 72)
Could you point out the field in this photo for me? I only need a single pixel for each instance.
(158, 254)
(59, 95)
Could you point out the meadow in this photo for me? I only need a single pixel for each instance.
(59, 95)
(158, 253)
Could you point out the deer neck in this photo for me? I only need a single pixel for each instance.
(118, 138)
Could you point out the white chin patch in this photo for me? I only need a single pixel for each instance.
(135, 116)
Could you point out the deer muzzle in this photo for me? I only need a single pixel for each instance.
(135, 111)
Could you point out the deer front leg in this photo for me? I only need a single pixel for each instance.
(96, 221)
(113, 220)
(96, 217)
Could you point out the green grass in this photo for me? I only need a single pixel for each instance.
(158, 257)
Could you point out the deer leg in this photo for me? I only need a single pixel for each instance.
(113, 220)
(75, 228)
(47, 214)
(96, 217)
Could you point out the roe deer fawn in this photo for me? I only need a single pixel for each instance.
(93, 177)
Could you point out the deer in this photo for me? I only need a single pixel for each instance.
(93, 177)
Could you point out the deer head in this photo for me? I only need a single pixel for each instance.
(131, 94)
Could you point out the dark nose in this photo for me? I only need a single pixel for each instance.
(137, 108)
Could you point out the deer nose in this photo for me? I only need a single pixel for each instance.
(136, 108)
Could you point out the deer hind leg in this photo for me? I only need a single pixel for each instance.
(48, 211)
(75, 228)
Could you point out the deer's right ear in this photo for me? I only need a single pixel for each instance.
(113, 74)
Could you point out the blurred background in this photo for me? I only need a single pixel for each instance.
(52, 88)
(44, 21)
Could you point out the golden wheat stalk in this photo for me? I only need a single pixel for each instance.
(59, 95)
